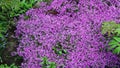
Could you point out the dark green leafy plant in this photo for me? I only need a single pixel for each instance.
(46, 64)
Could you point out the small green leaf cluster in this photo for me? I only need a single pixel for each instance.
(46, 64)
(6, 66)
(59, 50)
(114, 43)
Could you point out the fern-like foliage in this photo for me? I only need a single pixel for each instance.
(112, 27)
(115, 42)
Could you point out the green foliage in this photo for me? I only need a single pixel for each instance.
(117, 31)
(52, 65)
(115, 45)
(112, 27)
(59, 50)
(6, 66)
(8, 10)
(46, 64)
(109, 27)
(115, 42)
(3, 29)
(13, 8)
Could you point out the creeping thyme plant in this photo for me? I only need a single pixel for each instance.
(68, 33)
(63, 33)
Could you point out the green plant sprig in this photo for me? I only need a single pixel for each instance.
(46, 64)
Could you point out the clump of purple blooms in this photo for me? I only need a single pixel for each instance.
(76, 26)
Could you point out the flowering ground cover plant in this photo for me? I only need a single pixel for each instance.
(68, 34)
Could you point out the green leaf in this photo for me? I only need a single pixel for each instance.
(52, 65)
(1, 35)
(116, 50)
(45, 59)
(112, 47)
(2, 17)
(117, 39)
(117, 31)
(115, 45)
(44, 62)
(47, 64)
(113, 42)
(60, 52)
(64, 51)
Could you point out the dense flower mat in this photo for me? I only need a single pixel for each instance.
(67, 32)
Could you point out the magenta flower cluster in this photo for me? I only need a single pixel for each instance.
(76, 26)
